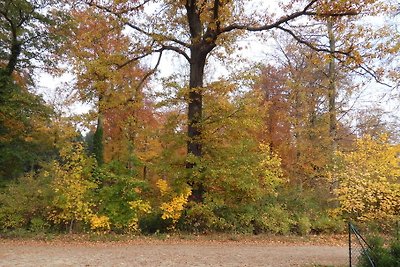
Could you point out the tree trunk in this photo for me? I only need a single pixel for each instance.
(332, 88)
(195, 108)
(12, 62)
(98, 147)
(203, 42)
(332, 102)
(15, 52)
(195, 112)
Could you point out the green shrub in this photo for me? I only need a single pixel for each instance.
(116, 188)
(395, 251)
(275, 219)
(303, 225)
(198, 218)
(381, 255)
(153, 223)
(38, 225)
(326, 225)
(24, 202)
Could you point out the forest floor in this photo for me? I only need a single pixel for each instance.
(178, 251)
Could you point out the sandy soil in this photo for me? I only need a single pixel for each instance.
(170, 253)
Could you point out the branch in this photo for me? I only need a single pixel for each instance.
(148, 53)
(151, 72)
(310, 45)
(213, 32)
(136, 28)
(371, 72)
(133, 26)
(153, 35)
(216, 14)
(177, 50)
(134, 59)
(285, 19)
(93, 3)
(368, 71)
(344, 113)
(272, 25)
(216, 120)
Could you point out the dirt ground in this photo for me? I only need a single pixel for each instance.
(172, 253)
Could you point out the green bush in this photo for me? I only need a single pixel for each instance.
(307, 208)
(25, 202)
(381, 255)
(275, 219)
(116, 187)
(303, 225)
(325, 224)
(198, 218)
(395, 251)
(153, 223)
(39, 225)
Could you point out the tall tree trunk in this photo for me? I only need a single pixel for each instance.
(195, 107)
(98, 146)
(137, 103)
(332, 88)
(12, 62)
(332, 101)
(15, 52)
(201, 46)
(298, 135)
(195, 113)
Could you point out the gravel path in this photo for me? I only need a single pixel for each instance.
(164, 253)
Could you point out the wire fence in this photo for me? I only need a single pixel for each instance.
(359, 250)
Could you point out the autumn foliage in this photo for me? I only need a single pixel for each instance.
(368, 181)
(186, 131)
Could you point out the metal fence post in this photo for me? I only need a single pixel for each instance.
(349, 229)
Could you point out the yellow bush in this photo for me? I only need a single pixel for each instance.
(163, 186)
(173, 208)
(100, 223)
(71, 185)
(368, 181)
(140, 207)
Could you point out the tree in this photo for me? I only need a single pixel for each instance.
(25, 136)
(97, 50)
(332, 90)
(194, 29)
(27, 40)
(27, 34)
(237, 169)
(131, 135)
(296, 94)
(376, 122)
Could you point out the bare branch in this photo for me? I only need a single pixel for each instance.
(305, 12)
(133, 26)
(93, 3)
(134, 59)
(152, 35)
(310, 45)
(151, 72)
(368, 71)
(148, 53)
(272, 25)
(177, 50)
